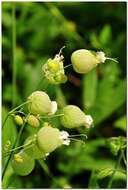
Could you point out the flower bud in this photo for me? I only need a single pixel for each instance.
(22, 164)
(18, 120)
(33, 121)
(49, 138)
(39, 103)
(84, 60)
(75, 117)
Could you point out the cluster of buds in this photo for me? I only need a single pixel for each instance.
(53, 70)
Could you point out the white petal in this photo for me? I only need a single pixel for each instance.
(101, 56)
(64, 136)
(53, 107)
(88, 121)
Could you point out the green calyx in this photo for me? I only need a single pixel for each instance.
(48, 139)
(39, 103)
(22, 164)
(74, 117)
(84, 61)
(33, 149)
(33, 121)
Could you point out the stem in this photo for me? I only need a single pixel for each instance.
(79, 135)
(114, 171)
(58, 115)
(18, 107)
(14, 146)
(78, 140)
(13, 53)
(67, 66)
(12, 111)
(19, 147)
(124, 159)
(5, 120)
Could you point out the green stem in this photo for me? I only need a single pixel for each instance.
(14, 146)
(13, 53)
(19, 147)
(12, 111)
(124, 159)
(5, 120)
(51, 116)
(18, 107)
(67, 66)
(115, 170)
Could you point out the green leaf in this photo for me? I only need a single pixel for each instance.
(110, 86)
(121, 123)
(105, 172)
(116, 143)
(105, 35)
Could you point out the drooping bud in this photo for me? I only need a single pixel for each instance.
(39, 103)
(84, 60)
(75, 117)
(33, 121)
(49, 138)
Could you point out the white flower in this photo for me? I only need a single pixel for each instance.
(88, 121)
(64, 136)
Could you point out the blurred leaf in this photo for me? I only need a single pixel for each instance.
(116, 143)
(9, 131)
(121, 123)
(109, 86)
(105, 172)
(105, 35)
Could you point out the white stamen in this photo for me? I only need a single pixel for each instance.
(88, 121)
(64, 136)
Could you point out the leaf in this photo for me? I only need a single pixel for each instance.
(110, 86)
(105, 172)
(121, 123)
(89, 89)
(9, 132)
(95, 41)
(105, 35)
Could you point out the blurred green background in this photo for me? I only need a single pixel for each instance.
(41, 30)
